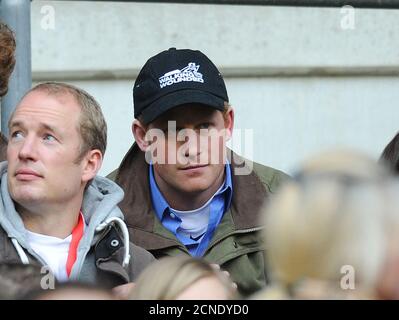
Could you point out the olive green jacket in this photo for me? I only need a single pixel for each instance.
(237, 244)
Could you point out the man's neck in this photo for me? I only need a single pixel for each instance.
(56, 221)
(185, 201)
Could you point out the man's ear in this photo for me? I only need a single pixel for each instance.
(229, 122)
(139, 131)
(91, 164)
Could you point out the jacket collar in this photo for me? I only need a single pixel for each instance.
(249, 194)
(109, 254)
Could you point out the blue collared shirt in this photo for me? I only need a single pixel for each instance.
(219, 204)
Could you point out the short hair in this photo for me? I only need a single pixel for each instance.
(168, 277)
(71, 290)
(390, 155)
(7, 56)
(92, 126)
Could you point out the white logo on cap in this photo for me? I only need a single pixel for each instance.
(187, 74)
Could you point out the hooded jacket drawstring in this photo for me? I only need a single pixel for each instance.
(126, 258)
(21, 253)
(125, 233)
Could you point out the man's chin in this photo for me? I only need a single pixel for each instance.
(195, 187)
(27, 199)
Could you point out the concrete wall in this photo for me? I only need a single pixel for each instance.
(298, 77)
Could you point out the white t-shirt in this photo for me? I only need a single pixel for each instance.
(54, 252)
(195, 222)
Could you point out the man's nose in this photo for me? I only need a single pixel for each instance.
(192, 144)
(28, 150)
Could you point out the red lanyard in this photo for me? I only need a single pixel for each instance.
(77, 234)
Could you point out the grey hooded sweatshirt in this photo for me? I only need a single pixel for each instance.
(105, 256)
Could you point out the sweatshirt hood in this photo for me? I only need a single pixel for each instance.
(99, 207)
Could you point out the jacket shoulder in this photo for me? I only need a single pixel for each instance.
(140, 259)
(271, 178)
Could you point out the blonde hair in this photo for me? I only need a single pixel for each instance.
(168, 277)
(339, 211)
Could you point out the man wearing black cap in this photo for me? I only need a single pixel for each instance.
(185, 192)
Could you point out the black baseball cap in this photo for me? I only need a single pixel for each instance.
(176, 77)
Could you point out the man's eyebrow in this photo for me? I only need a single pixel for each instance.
(14, 123)
(49, 128)
(42, 125)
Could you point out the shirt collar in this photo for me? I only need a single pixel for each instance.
(160, 204)
(228, 186)
(158, 201)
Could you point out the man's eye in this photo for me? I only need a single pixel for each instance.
(204, 125)
(16, 135)
(48, 137)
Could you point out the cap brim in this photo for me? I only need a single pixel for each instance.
(178, 98)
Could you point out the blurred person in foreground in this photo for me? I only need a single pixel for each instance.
(183, 278)
(7, 63)
(333, 232)
(71, 291)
